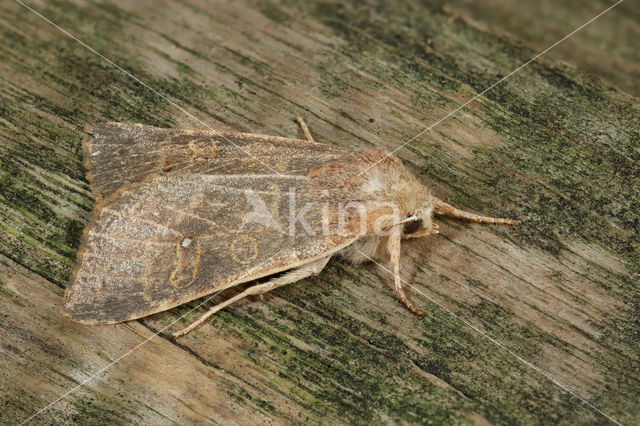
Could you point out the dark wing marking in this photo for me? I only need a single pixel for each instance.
(119, 154)
(178, 237)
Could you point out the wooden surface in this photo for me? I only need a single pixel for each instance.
(551, 146)
(605, 49)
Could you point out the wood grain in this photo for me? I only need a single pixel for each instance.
(551, 146)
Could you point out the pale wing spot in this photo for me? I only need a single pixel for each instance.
(188, 258)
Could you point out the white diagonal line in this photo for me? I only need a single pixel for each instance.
(127, 73)
(215, 131)
(148, 339)
(75, 388)
(494, 84)
(497, 343)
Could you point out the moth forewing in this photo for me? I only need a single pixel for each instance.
(183, 214)
(178, 237)
(120, 154)
(124, 162)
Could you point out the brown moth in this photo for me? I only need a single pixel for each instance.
(182, 214)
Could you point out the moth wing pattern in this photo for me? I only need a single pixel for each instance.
(120, 154)
(176, 237)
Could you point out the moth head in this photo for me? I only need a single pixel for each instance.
(419, 223)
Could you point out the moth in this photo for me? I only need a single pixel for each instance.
(182, 214)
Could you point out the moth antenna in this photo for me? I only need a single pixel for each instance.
(305, 130)
(443, 209)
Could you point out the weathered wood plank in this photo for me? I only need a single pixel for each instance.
(551, 146)
(604, 49)
(46, 355)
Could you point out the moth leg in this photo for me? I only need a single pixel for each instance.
(393, 247)
(305, 130)
(442, 208)
(289, 277)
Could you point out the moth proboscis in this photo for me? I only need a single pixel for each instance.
(182, 214)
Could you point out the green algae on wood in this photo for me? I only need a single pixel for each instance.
(337, 348)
